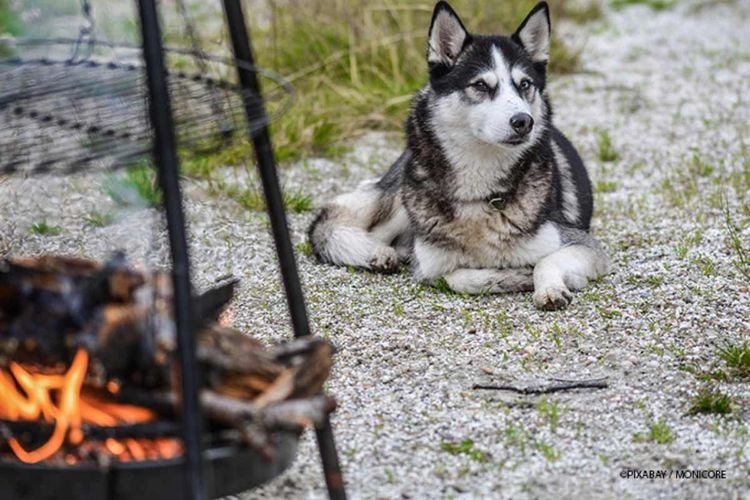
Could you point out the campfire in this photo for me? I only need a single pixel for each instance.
(87, 358)
(58, 399)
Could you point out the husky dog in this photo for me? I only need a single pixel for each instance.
(488, 196)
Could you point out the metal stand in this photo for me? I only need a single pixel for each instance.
(166, 159)
(255, 110)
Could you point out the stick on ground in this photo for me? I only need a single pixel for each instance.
(547, 389)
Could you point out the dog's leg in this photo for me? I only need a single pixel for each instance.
(569, 268)
(476, 281)
(430, 263)
(357, 228)
(353, 246)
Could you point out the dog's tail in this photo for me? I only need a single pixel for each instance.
(357, 229)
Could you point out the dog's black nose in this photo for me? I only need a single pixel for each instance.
(522, 123)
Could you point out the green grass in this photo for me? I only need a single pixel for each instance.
(442, 286)
(657, 5)
(10, 24)
(253, 199)
(465, 447)
(42, 228)
(605, 186)
(298, 202)
(202, 165)
(549, 452)
(305, 248)
(737, 359)
(96, 218)
(355, 64)
(742, 254)
(581, 12)
(398, 309)
(605, 148)
(137, 186)
(521, 438)
(608, 313)
(655, 280)
(697, 166)
(550, 411)
(710, 401)
(705, 264)
(143, 180)
(658, 432)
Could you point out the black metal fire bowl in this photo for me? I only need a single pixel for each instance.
(226, 469)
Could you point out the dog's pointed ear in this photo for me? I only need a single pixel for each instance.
(447, 36)
(534, 33)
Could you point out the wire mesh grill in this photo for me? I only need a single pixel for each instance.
(71, 114)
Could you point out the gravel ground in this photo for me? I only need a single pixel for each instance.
(669, 88)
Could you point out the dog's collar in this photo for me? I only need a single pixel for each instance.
(498, 201)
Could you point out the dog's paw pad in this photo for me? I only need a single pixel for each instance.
(552, 298)
(385, 260)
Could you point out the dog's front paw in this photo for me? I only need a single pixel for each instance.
(385, 260)
(552, 298)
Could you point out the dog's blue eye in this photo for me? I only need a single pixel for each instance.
(525, 84)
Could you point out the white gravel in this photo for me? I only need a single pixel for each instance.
(666, 86)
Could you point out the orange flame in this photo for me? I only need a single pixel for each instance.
(72, 409)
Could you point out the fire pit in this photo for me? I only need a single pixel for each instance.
(107, 370)
(87, 367)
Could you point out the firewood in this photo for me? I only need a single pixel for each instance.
(53, 307)
(299, 413)
(281, 388)
(234, 352)
(50, 306)
(293, 414)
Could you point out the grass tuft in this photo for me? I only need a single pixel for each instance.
(710, 401)
(658, 432)
(465, 447)
(582, 12)
(697, 166)
(96, 218)
(605, 186)
(548, 451)
(737, 359)
(10, 24)
(441, 285)
(42, 228)
(742, 259)
(253, 199)
(606, 150)
(657, 5)
(550, 411)
(305, 248)
(298, 202)
(137, 187)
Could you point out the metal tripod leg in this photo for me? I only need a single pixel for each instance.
(165, 154)
(255, 110)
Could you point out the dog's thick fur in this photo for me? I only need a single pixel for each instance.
(488, 196)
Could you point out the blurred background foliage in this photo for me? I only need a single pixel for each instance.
(354, 63)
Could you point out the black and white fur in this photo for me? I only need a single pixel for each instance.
(488, 195)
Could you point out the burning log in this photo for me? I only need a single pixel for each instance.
(52, 306)
(87, 352)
